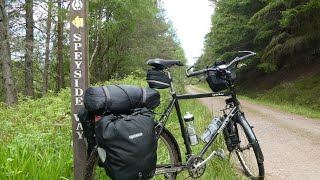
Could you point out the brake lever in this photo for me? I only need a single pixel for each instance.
(188, 69)
(250, 52)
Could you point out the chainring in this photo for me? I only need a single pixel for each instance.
(196, 172)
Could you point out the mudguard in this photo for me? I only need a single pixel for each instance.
(251, 136)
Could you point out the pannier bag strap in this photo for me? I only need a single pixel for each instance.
(131, 105)
(159, 82)
(108, 97)
(140, 111)
(144, 95)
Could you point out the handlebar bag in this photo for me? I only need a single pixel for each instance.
(119, 99)
(157, 79)
(217, 80)
(128, 146)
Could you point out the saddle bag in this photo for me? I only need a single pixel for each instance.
(119, 99)
(157, 79)
(127, 145)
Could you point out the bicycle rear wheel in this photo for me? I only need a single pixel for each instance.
(93, 170)
(168, 156)
(248, 150)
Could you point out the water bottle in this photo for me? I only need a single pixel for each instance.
(191, 129)
(211, 129)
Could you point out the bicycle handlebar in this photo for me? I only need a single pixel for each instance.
(220, 67)
(196, 73)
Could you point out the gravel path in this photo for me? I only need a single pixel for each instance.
(290, 143)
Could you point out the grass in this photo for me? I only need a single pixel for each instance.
(285, 106)
(36, 137)
(299, 97)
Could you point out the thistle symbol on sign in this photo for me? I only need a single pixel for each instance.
(77, 5)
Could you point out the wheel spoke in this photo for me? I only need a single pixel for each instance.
(165, 159)
(245, 147)
(245, 152)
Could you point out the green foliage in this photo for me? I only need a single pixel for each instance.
(36, 138)
(283, 33)
(124, 34)
(300, 96)
(282, 49)
(231, 30)
(294, 15)
(304, 92)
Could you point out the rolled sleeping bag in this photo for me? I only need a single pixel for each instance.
(119, 99)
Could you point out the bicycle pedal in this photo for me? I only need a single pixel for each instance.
(221, 154)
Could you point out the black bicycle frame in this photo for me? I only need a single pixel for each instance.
(175, 103)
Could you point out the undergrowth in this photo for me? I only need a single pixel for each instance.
(301, 96)
(304, 92)
(36, 138)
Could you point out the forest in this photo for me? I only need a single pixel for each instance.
(285, 35)
(34, 38)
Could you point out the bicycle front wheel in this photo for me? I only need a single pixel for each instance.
(168, 157)
(248, 150)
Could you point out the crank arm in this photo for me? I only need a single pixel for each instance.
(168, 170)
(219, 153)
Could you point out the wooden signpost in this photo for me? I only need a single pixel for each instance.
(79, 79)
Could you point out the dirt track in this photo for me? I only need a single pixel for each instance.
(290, 143)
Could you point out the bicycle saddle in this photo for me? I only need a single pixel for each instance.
(163, 64)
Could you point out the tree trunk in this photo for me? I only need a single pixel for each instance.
(60, 48)
(5, 58)
(29, 88)
(46, 61)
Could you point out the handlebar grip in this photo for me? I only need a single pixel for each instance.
(196, 73)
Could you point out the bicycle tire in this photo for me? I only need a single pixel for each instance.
(248, 150)
(92, 166)
(166, 141)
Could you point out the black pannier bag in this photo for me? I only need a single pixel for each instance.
(127, 145)
(87, 120)
(157, 79)
(119, 99)
(217, 80)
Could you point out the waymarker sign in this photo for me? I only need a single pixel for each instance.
(79, 79)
